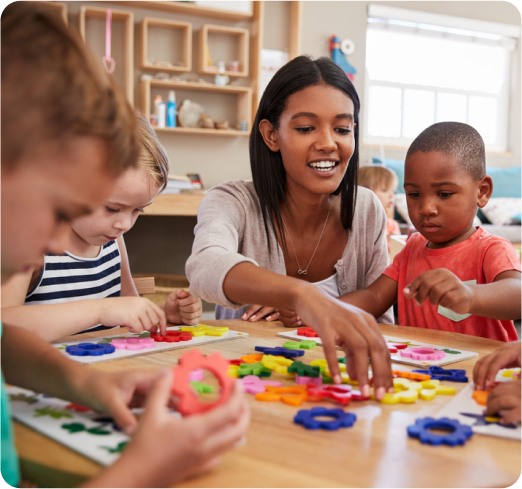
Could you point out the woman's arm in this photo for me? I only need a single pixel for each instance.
(128, 289)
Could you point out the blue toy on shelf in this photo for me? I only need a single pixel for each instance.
(458, 433)
(339, 58)
(84, 349)
(280, 351)
(341, 419)
(439, 373)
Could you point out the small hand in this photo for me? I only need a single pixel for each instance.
(442, 288)
(256, 312)
(486, 369)
(182, 307)
(504, 399)
(137, 314)
(289, 318)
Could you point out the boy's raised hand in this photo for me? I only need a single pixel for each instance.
(504, 399)
(442, 288)
(486, 369)
(182, 307)
(257, 312)
(137, 314)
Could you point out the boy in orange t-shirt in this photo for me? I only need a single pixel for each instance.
(450, 276)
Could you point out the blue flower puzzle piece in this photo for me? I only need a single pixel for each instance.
(458, 433)
(439, 373)
(280, 351)
(92, 349)
(341, 419)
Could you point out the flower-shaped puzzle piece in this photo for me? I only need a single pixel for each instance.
(296, 345)
(303, 370)
(481, 397)
(306, 331)
(422, 353)
(254, 358)
(203, 329)
(450, 374)
(280, 351)
(512, 373)
(340, 419)
(254, 369)
(304, 380)
(254, 385)
(133, 343)
(341, 394)
(189, 402)
(415, 375)
(278, 364)
(237, 362)
(458, 435)
(92, 349)
(172, 336)
(293, 395)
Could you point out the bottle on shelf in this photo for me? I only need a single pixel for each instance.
(154, 117)
(171, 110)
(162, 113)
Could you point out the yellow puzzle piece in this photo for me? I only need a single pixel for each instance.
(232, 371)
(278, 364)
(204, 330)
(408, 391)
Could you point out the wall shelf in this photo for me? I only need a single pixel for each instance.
(185, 27)
(127, 18)
(58, 7)
(242, 36)
(190, 9)
(244, 104)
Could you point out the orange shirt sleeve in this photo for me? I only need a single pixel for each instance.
(499, 257)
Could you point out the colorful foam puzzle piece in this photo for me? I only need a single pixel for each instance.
(308, 332)
(458, 433)
(411, 375)
(481, 397)
(253, 369)
(254, 358)
(303, 380)
(254, 385)
(77, 407)
(232, 371)
(204, 330)
(511, 373)
(483, 420)
(304, 370)
(280, 351)
(189, 402)
(53, 412)
(293, 395)
(92, 349)
(449, 374)
(172, 336)
(133, 343)
(296, 345)
(423, 353)
(201, 388)
(278, 364)
(196, 375)
(341, 419)
(340, 394)
(237, 362)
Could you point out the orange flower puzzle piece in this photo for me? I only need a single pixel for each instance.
(293, 395)
(481, 397)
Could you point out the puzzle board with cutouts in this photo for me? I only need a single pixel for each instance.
(91, 434)
(451, 355)
(158, 346)
(465, 409)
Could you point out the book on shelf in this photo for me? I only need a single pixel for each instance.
(177, 183)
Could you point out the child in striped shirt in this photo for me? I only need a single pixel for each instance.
(90, 287)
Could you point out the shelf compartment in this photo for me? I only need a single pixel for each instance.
(184, 27)
(191, 9)
(127, 18)
(243, 111)
(242, 40)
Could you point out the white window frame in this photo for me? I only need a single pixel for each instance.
(503, 98)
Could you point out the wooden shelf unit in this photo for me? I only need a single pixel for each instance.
(244, 105)
(243, 37)
(182, 204)
(58, 7)
(190, 9)
(186, 27)
(127, 18)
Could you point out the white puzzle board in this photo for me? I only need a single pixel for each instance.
(158, 346)
(452, 354)
(59, 421)
(464, 403)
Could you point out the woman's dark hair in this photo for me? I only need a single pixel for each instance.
(268, 172)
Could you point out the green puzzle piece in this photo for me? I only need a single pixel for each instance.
(327, 380)
(304, 370)
(121, 446)
(24, 398)
(303, 345)
(74, 427)
(53, 412)
(79, 427)
(253, 369)
(342, 360)
(202, 388)
(450, 352)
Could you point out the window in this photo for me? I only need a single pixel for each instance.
(424, 68)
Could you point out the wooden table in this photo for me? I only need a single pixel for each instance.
(376, 451)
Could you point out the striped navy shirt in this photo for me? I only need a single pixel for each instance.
(67, 278)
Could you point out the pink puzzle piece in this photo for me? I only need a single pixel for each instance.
(301, 380)
(423, 353)
(132, 343)
(196, 375)
(254, 385)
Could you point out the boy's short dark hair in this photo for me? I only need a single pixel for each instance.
(456, 139)
(54, 90)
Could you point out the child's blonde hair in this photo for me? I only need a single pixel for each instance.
(375, 176)
(54, 90)
(152, 155)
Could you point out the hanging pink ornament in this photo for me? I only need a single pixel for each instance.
(108, 60)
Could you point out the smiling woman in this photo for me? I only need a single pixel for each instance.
(299, 236)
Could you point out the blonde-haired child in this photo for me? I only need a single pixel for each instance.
(60, 161)
(90, 286)
(382, 182)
